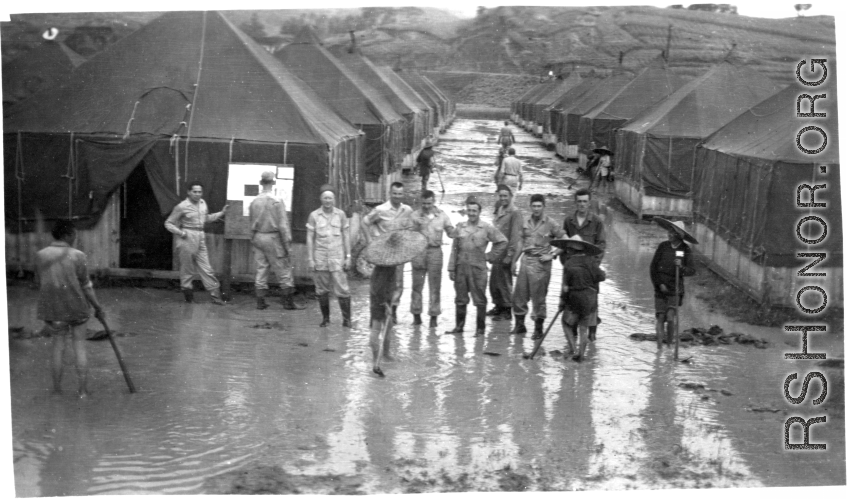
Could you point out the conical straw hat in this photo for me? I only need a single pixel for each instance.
(678, 226)
(588, 248)
(395, 247)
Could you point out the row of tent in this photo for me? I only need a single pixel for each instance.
(719, 148)
(187, 95)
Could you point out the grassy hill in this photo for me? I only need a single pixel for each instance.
(495, 56)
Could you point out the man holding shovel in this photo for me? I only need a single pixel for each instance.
(578, 299)
(65, 293)
(671, 263)
(388, 252)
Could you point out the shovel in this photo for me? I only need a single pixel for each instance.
(388, 318)
(439, 178)
(539, 342)
(118, 355)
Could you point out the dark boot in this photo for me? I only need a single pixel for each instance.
(216, 297)
(189, 295)
(324, 302)
(539, 329)
(417, 321)
(394, 314)
(433, 321)
(519, 328)
(505, 314)
(260, 299)
(480, 321)
(461, 312)
(344, 303)
(494, 311)
(288, 300)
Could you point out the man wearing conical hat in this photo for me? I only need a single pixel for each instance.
(328, 250)
(671, 255)
(271, 244)
(467, 268)
(578, 299)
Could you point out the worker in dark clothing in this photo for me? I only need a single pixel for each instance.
(425, 163)
(671, 256)
(578, 300)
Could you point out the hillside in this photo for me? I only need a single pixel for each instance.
(473, 58)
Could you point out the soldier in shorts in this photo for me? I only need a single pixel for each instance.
(65, 294)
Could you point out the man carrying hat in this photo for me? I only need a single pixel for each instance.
(433, 224)
(390, 215)
(509, 221)
(672, 258)
(536, 265)
(271, 244)
(578, 299)
(467, 267)
(328, 250)
(186, 222)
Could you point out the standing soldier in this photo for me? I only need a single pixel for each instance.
(512, 171)
(390, 215)
(507, 138)
(328, 249)
(186, 222)
(425, 163)
(467, 267)
(65, 293)
(509, 221)
(588, 226)
(271, 244)
(536, 265)
(432, 223)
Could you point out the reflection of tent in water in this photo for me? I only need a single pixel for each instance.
(45, 66)
(184, 96)
(746, 184)
(354, 100)
(655, 150)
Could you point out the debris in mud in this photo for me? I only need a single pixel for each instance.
(762, 409)
(692, 386)
(492, 354)
(715, 335)
(513, 482)
(328, 350)
(268, 325)
(301, 344)
(261, 479)
(726, 392)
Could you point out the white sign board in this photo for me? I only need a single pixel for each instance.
(243, 184)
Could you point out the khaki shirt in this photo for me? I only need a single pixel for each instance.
(537, 235)
(470, 241)
(187, 215)
(433, 226)
(512, 166)
(328, 243)
(509, 221)
(385, 217)
(267, 214)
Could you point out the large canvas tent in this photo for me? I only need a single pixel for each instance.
(543, 103)
(654, 83)
(523, 103)
(45, 66)
(428, 91)
(556, 115)
(746, 185)
(352, 98)
(185, 96)
(416, 119)
(655, 150)
(606, 89)
(449, 104)
(400, 85)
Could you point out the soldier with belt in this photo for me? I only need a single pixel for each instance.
(467, 267)
(433, 224)
(271, 244)
(509, 221)
(536, 265)
(186, 222)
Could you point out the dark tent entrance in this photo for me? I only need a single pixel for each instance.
(145, 243)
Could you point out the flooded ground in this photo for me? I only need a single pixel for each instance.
(232, 399)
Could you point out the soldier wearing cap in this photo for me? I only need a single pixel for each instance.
(390, 215)
(536, 265)
(509, 221)
(328, 250)
(271, 244)
(186, 222)
(467, 267)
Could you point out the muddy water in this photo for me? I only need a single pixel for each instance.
(221, 399)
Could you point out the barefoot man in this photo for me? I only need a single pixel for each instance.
(65, 293)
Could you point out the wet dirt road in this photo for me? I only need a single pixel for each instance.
(232, 399)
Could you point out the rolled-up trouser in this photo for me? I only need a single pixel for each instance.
(532, 283)
(376, 329)
(470, 280)
(335, 281)
(510, 180)
(500, 285)
(398, 290)
(194, 260)
(427, 264)
(271, 256)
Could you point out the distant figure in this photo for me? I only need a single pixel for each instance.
(600, 176)
(512, 171)
(65, 293)
(506, 138)
(186, 221)
(498, 162)
(425, 163)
